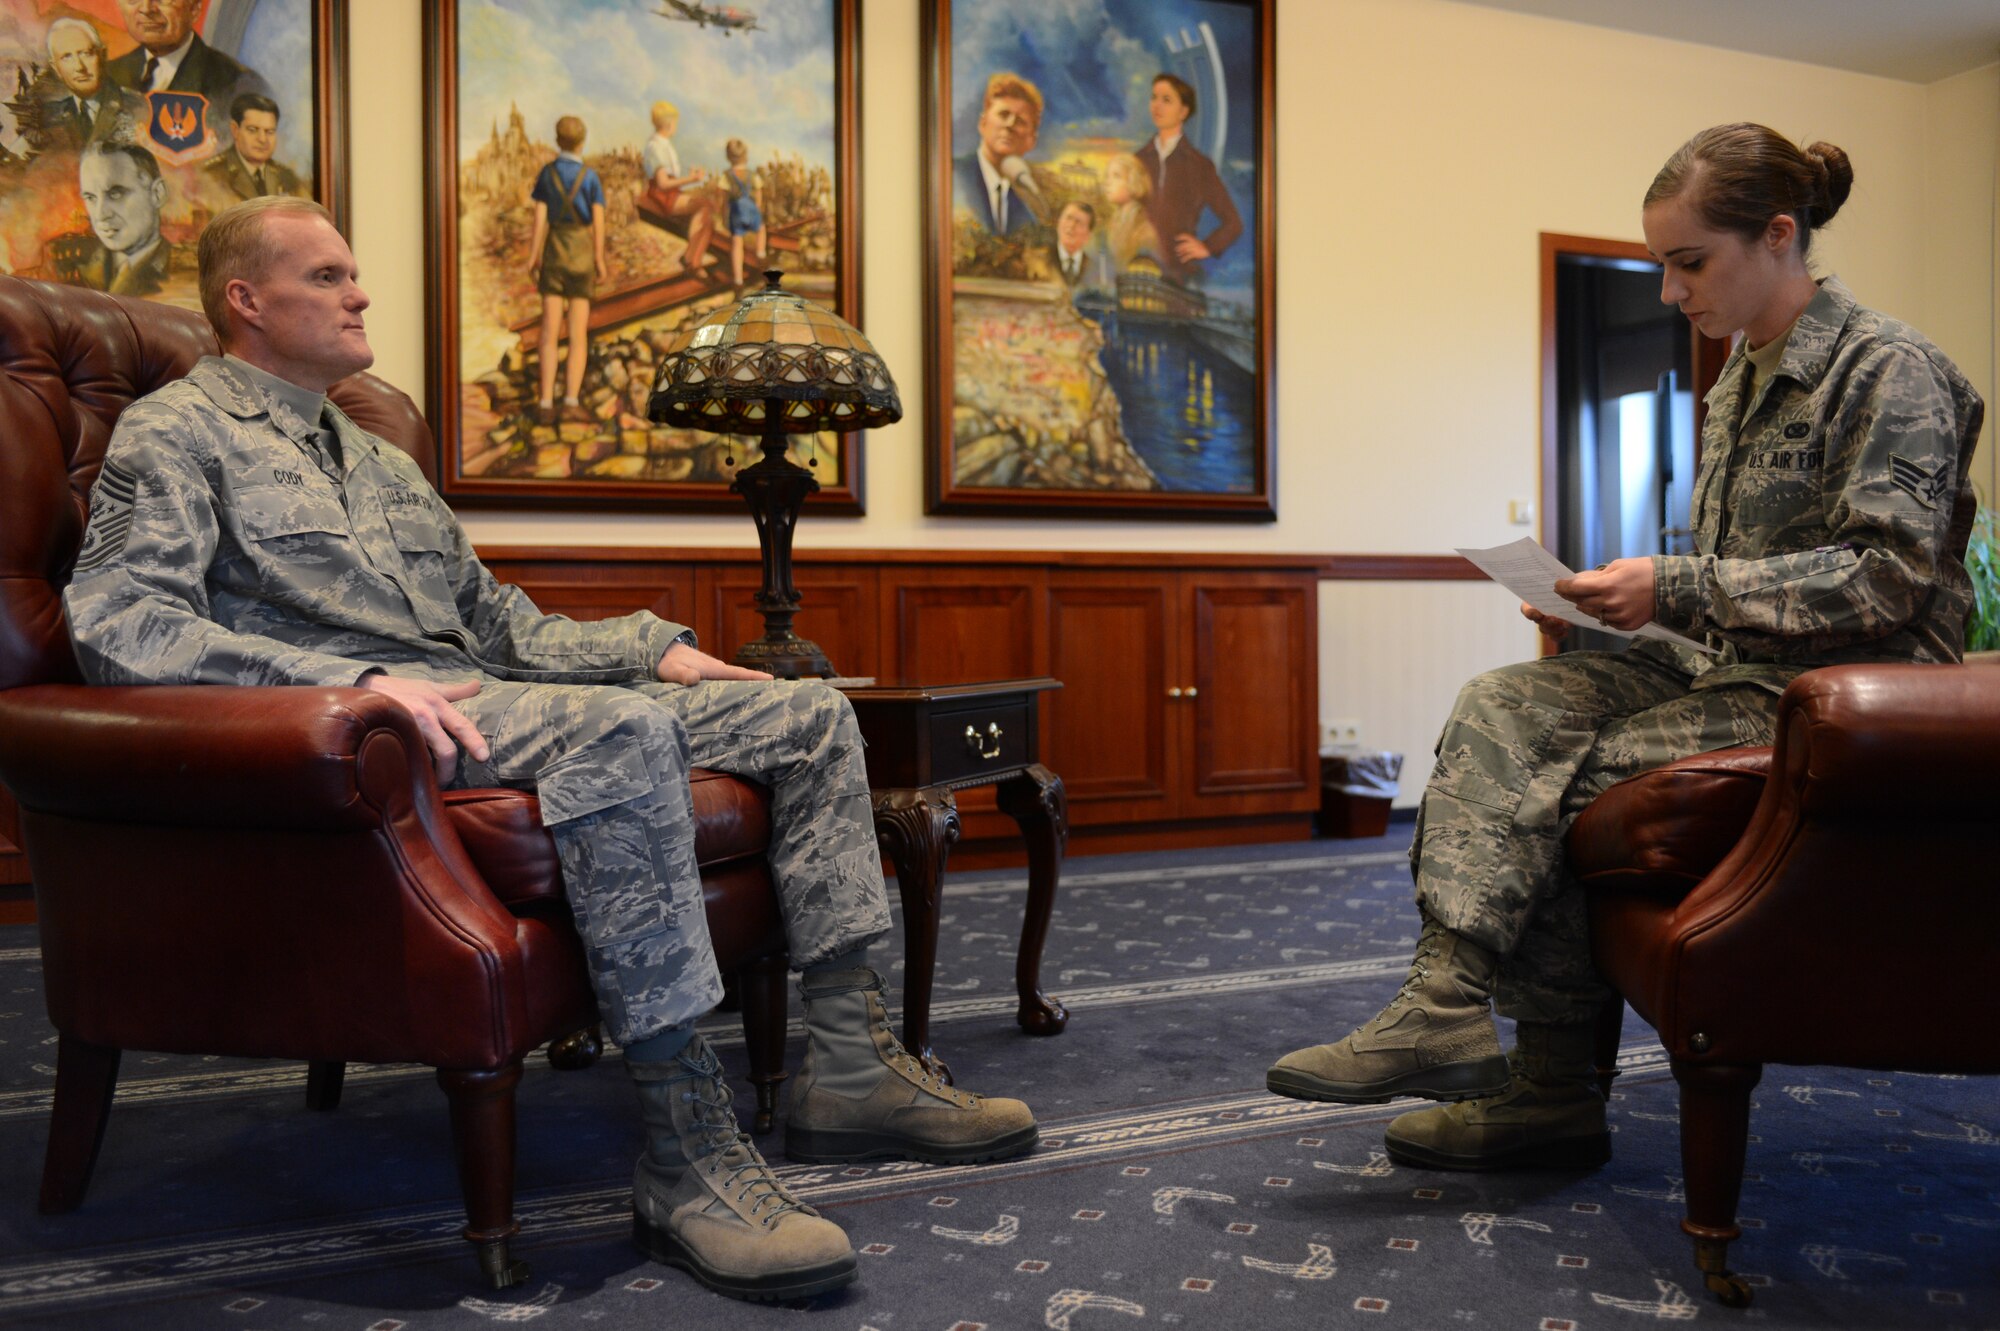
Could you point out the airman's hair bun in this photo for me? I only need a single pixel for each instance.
(1836, 175)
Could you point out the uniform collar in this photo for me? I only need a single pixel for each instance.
(303, 403)
(246, 392)
(1810, 347)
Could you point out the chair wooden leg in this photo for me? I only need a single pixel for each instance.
(1610, 1027)
(86, 1076)
(1715, 1128)
(482, 1131)
(765, 987)
(323, 1082)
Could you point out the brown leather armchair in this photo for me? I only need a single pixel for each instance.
(272, 872)
(1824, 901)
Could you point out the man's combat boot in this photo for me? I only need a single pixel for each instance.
(704, 1200)
(1552, 1117)
(1435, 1039)
(861, 1096)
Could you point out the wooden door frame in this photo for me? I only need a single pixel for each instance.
(1708, 356)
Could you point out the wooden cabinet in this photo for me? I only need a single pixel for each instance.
(1189, 706)
(1186, 695)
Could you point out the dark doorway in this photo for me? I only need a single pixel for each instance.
(1623, 378)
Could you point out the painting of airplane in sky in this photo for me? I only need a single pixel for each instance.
(726, 17)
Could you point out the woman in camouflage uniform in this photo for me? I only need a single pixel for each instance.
(1831, 510)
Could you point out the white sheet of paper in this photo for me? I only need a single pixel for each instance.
(1530, 572)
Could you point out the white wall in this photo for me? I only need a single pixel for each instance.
(1422, 145)
(1962, 196)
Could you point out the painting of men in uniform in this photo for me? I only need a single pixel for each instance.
(170, 57)
(246, 169)
(90, 107)
(1135, 127)
(177, 81)
(122, 192)
(648, 244)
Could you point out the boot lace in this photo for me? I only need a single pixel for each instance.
(723, 1145)
(896, 1056)
(1420, 971)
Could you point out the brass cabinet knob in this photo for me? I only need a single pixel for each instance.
(1174, 692)
(984, 746)
(1191, 691)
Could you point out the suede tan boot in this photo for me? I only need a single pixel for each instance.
(1435, 1039)
(861, 1096)
(704, 1200)
(1552, 1117)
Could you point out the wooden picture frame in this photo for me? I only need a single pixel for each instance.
(1047, 382)
(495, 446)
(108, 186)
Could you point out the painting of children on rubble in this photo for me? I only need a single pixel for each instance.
(125, 125)
(604, 173)
(1097, 177)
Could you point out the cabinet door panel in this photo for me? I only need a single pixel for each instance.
(1255, 659)
(837, 610)
(1111, 646)
(964, 626)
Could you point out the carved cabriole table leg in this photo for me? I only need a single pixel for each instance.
(1035, 800)
(917, 829)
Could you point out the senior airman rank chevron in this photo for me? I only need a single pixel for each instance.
(1927, 487)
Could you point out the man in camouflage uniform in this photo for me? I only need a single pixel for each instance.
(1830, 511)
(245, 531)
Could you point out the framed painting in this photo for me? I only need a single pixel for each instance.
(599, 174)
(128, 124)
(1099, 258)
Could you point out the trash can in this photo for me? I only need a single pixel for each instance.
(1356, 788)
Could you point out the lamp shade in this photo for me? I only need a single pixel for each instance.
(773, 363)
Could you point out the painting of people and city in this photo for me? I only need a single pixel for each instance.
(1098, 174)
(125, 125)
(619, 169)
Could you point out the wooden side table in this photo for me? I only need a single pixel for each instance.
(924, 744)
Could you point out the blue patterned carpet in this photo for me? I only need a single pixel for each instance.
(1169, 1188)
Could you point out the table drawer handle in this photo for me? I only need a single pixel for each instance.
(987, 746)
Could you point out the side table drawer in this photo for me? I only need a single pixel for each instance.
(971, 741)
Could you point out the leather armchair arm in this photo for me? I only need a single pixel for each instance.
(198, 755)
(1879, 741)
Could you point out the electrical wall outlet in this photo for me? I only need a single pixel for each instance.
(1342, 732)
(1521, 512)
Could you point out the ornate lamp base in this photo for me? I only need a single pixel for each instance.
(776, 487)
(787, 658)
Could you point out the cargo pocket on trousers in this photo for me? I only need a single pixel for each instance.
(1494, 771)
(619, 889)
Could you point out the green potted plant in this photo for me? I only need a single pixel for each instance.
(1982, 561)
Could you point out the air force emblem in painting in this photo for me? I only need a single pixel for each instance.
(179, 124)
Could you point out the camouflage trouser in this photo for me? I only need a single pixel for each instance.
(610, 765)
(1526, 748)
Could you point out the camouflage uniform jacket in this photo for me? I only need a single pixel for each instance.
(1831, 514)
(226, 546)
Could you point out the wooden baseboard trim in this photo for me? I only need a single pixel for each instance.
(1007, 853)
